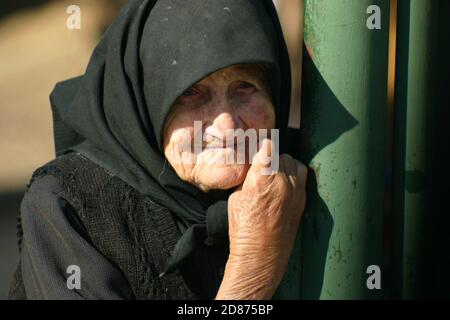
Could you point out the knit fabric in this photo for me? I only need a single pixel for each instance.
(127, 227)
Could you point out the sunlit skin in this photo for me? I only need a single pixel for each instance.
(235, 97)
(264, 211)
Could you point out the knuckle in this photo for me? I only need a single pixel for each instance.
(302, 171)
(285, 158)
(282, 182)
(257, 182)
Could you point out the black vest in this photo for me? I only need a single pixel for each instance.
(127, 227)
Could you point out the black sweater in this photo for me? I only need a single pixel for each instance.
(76, 213)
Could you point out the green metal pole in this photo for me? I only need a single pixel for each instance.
(344, 114)
(417, 37)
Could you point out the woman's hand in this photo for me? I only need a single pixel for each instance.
(263, 215)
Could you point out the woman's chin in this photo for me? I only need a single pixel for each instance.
(223, 177)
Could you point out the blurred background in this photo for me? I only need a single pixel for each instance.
(37, 50)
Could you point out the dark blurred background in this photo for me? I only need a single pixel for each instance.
(36, 51)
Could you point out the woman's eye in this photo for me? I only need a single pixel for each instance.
(189, 92)
(245, 85)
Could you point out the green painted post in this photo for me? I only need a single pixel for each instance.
(344, 114)
(415, 84)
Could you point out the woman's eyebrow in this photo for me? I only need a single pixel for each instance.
(243, 74)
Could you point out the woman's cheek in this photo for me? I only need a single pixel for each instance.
(179, 149)
(259, 114)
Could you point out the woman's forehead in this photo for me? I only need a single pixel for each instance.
(237, 72)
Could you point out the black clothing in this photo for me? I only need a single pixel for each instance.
(54, 240)
(77, 213)
(127, 197)
(154, 50)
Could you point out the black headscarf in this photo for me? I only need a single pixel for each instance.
(154, 50)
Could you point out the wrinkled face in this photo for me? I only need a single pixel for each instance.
(197, 131)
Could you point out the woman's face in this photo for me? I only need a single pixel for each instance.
(234, 98)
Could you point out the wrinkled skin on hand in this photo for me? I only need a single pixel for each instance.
(264, 214)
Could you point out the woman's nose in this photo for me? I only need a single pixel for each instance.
(225, 117)
(225, 121)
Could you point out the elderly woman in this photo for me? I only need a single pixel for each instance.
(126, 210)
